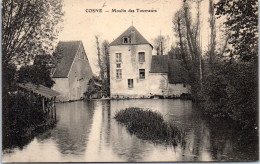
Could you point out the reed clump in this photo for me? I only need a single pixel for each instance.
(149, 125)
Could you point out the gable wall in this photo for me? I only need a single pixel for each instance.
(79, 75)
(62, 86)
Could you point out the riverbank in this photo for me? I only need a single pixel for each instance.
(23, 119)
(182, 97)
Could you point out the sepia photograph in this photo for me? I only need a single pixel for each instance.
(130, 81)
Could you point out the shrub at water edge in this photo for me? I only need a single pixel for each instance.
(149, 125)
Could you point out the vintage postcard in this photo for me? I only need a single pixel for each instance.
(130, 81)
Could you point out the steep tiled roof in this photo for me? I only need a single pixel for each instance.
(159, 64)
(139, 39)
(68, 52)
(177, 73)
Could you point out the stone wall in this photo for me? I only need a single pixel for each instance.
(62, 86)
(130, 66)
(158, 83)
(176, 90)
(79, 76)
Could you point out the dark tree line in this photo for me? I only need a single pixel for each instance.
(29, 31)
(225, 79)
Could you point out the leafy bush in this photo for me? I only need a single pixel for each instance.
(231, 91)
(35, 74)
(22, 116)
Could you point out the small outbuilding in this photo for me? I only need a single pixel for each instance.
(168, 77)
(42, 93)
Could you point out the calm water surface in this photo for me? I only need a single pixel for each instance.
(87, 132)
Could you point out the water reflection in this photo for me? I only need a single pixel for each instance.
(87, 132)
(73, 129)
(227, 143)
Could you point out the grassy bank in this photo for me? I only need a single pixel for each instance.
(149, 125)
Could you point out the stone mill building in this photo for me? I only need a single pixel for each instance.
(136, 73)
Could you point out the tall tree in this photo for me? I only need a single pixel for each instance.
(160, 45)
(106, 65)
(230, 88)
(29, 28)
(188, 33)
(101, 69)
(175, 53)
(212, 32)
(241, 20)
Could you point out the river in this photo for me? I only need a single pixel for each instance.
(87, 132)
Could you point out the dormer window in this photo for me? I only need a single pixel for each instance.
(126, 40)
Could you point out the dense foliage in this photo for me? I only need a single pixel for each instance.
(29, 31)
(22, 118)
(230, 91)
(29, 28)
(228, 87)
(242, 22)
(187, 31)
(38, 73)
(231, 84)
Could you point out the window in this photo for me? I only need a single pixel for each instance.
(118, 57)
(118, 65)
(125, 40)
(119, 73)
(141, 73)
(130, 83)
(184, 85)
(141, 57)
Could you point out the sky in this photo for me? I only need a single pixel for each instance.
(84, 26)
